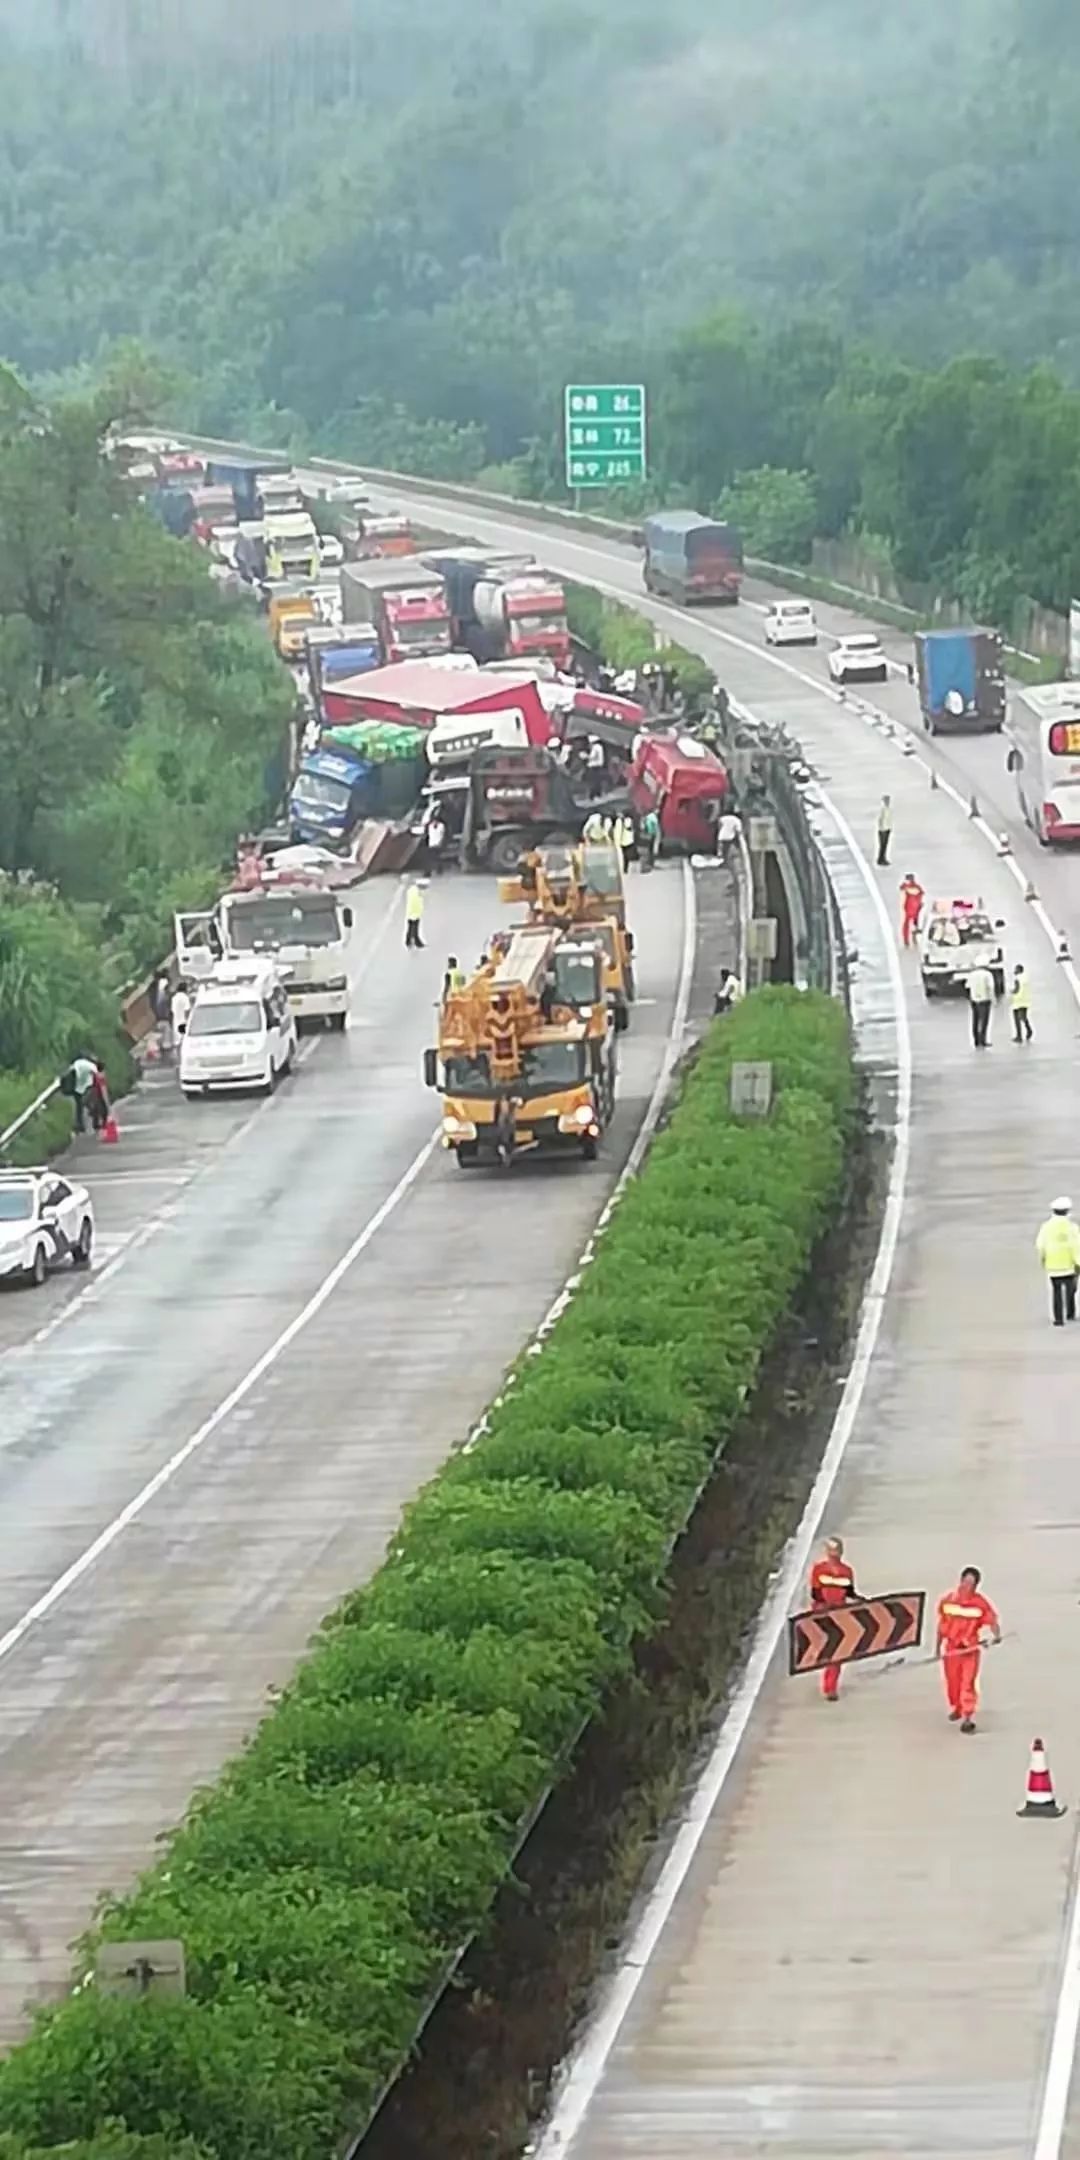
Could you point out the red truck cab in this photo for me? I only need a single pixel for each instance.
(687, 786)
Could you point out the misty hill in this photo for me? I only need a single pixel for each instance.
(456, 206)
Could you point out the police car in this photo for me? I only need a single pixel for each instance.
(46, 1221)
(957, 936)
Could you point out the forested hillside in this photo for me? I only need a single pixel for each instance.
(397, 231)
(143, 722)
(454, 207)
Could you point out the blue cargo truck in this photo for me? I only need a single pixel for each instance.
(961, 677)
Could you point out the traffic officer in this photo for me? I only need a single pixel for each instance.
(911, 905)
(414, 916)
(962, 1615)
(1020, 1000)
(832, 1582)
(1058, 1247)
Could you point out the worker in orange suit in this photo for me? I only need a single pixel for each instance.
(911, 906)
(962, 1615)
(832, 1582)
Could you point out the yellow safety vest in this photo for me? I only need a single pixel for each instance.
(1058, 1245)
(1021, 995)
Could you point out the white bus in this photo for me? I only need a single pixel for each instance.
(1044, 758)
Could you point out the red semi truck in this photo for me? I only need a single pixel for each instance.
(406, 602)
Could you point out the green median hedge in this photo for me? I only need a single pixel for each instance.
(324, 1884)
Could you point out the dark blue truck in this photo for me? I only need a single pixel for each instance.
(961, 678)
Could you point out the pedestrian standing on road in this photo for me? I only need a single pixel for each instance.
(414, 916)
(160, 1004)
(595, 763)
(99, 1105)
(962, 1615)
(650, 840)
(79, 1082)
(436, 843)
(1058, 1247)
(454, 978)
(981, 998)
(623, 835)
(728, 828)
(832, 1582)
(1020, 1000)
(884, 831)
(911, 906)
(180, 1011)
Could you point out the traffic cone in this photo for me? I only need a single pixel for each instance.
(1040, 1791)
(110, 1132)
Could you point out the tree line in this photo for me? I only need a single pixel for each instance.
(143, 722)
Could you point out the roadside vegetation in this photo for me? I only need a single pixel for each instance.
(143, 722)
(325, 1885)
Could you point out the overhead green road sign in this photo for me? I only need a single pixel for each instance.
(605, 433)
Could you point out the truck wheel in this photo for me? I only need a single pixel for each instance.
(468, 1155)
(505, 853)
(588, 1150)
(337, 1023)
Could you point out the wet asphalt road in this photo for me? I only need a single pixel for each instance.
(299, 1307)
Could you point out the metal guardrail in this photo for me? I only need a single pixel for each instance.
(25, 1116)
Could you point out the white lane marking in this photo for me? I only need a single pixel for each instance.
(1057, 2083)
(587, 2065)
(136, 1507)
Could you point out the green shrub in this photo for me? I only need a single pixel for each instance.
(324, 1885)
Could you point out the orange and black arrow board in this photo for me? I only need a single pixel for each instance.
(846, 1634)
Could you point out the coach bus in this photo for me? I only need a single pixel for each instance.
(1044, 758)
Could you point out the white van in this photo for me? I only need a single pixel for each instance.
(790, 622)
(241, 1031)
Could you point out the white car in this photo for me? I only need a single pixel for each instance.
(791, 622)
(241, 1031)
(343, 490)
(957, 936)
(45, 1221)
(858, 658)
(331, 552)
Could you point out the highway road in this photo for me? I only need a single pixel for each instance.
(852, 1945)
(300, 1307)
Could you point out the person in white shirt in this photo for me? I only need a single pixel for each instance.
(729, 993)
(180, 1013)
(981, 997)
(727, 833)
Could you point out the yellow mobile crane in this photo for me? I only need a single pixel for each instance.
(526, 1053)
(582, 889)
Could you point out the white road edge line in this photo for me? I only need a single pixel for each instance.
(587, 2064)
(136, 1507)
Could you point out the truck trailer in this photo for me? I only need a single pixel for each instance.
(961, 678)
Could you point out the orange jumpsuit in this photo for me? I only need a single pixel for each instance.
(961, 1614)
(832, 1582)
(912, 897)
